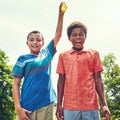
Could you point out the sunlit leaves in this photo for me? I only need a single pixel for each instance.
(6, 101)
(112, 84)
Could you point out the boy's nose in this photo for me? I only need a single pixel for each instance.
(78, 36)
(34, 40)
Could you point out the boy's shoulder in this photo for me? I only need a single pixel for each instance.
(87, 50)
(24, 57)
(91, 50)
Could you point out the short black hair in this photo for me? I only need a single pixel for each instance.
(74, 25)
(35, 32)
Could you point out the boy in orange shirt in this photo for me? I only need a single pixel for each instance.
(80, 83)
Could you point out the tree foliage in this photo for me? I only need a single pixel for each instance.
(112, 85)
(6, 101)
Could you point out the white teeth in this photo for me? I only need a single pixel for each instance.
(34, 46)
(78, 41)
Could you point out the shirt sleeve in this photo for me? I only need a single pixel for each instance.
(97, 63)
(51, 48)
(60, 66)
(18, 68)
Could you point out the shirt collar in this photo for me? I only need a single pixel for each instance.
(74, 51)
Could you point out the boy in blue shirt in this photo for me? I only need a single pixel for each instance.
(35, 101)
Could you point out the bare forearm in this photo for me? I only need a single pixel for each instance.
(60, 96)
(60, 88)
(59, 27)
(100, 91)
(100, 88)
(16, 95)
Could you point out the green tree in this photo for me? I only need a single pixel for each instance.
(112, 85)
(6, 102)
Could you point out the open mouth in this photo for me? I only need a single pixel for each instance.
(33, 46)
(78, 41)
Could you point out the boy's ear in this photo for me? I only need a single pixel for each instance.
(69, 38)
(26, 42)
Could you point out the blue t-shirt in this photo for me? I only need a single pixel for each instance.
(37, 89)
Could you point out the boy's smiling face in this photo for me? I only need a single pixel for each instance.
(35, 43)
(77, 38)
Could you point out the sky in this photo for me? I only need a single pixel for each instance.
(19, 17)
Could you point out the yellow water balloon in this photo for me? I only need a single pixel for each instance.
(64, 7)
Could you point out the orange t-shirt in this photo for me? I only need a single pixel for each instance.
(79, 89)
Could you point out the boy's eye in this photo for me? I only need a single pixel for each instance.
(81, 34)
(74, 35)
(38, 40)
(31, 40)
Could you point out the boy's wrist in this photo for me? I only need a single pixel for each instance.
(104, 106)
(18, 106)
(104, 103)
(61, 14)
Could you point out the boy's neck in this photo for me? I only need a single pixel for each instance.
(77, 49)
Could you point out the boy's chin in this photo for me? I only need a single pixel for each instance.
(78, 48)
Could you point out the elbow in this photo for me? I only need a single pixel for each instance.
(56, 39)
(59, 36)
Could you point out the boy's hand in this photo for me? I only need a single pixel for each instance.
(59, 113)
(62, 8)
(22, 114)
(106, 113)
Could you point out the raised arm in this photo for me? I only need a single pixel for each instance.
(59, 27)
